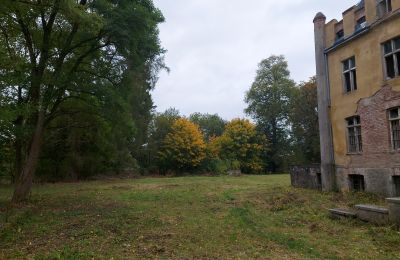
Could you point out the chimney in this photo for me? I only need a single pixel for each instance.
(327, 156)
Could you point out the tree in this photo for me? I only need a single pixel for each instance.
(304, 121)
(210, 125)
(160, 127)
(269, 105)
(241, 142)
(55, 50)
(183, 148)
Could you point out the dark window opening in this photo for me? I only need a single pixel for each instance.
(339, 35)
(357, 182)
(396, 180)
(391, 73)
(394, 118)
(319, 180)
(361, 23)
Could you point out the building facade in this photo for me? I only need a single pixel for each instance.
(358, 77)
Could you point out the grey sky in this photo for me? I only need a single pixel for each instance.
(214, 47)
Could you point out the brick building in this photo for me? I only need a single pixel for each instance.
(358, 77)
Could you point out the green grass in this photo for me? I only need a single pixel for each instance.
(192, 217)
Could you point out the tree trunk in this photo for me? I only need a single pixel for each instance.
(25, 179)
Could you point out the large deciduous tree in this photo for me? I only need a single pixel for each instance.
(304, 121)
(269, 105)
(53, 51)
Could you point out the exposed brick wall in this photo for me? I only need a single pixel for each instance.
(378, 162)
(377, 147)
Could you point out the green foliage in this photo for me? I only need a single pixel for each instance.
(304, 121)
(242, 146)
(160, 127)
(89, 67)
(183, 148)
(269, 105)
(210, 125)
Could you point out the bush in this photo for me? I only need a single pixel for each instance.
(183, 148)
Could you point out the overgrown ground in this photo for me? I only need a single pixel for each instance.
(193, 217)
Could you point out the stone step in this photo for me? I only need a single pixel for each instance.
(342, 213)
(394, 210)
(373, 214)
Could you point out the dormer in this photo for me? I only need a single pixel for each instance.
(339, 31)
(360, 18)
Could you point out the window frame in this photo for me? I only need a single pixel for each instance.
(353, 75)
(388, 7)
(394, 52)
(394, 146)
(357, 128)
(361, 25)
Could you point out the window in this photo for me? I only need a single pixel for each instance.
(391, 50)
(361, 23)
(384, 7)
(339, 31)
(354, 138)
(357, 182)
(394, 118)
(339, 35)
(349, 75)
(396, 181)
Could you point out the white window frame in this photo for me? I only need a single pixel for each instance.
(352, 72)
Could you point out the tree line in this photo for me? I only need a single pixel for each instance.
(75, 83)
(283, 131)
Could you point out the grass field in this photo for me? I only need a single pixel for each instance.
(192, 217)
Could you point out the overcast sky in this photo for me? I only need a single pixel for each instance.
(214, 47)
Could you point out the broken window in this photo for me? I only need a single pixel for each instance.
(396, 181)
(354, 138)
(349, 75)
(357, 182)
(391, 50)
(384, 7)
(394, 118)
(339, 31)
(361, 23)
(339, 35)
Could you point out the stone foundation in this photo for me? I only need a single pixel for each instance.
(306, 177)
(376, 180)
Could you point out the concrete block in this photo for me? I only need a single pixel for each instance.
(373, 214)
(342, 214)
(394, 210)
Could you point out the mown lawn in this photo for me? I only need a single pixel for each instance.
(191, 217)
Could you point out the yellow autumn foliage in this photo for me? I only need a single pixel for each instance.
(183, 148)
(241, 142)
